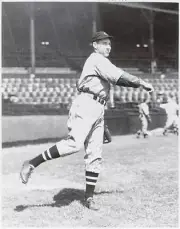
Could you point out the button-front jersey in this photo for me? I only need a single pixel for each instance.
(98, 72)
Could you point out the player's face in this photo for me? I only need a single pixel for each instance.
(103, 47)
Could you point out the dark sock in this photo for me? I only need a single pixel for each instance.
(91, 179)
(49, 154)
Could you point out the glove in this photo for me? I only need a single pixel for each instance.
(107, 135)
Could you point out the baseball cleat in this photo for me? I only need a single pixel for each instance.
(26, 172)
(146, 135)
(137, 135)
(165, 132)
(89, 203)
(177, 132)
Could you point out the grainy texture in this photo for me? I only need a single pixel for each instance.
(138, 186)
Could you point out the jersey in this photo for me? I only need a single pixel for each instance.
(97, 75)
(170, 108)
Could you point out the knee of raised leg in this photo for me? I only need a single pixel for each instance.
(75, 144)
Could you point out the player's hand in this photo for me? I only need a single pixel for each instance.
(147, 86)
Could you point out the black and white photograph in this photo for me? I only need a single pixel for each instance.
(90, 114)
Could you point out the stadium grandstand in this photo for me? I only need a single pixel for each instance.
(44, 45)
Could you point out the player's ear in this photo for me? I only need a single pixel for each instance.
(94, 44)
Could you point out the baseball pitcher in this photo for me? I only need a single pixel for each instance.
(86, 115)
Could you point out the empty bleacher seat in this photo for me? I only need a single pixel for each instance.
(153, 96)
(117, 92)
(129, 96)
(122, 97)
(135, 96)
(61, 81)
(36, 80)
(63, 90)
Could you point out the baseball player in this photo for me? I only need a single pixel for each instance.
(171, 108)
(86, 115)
(144, 118)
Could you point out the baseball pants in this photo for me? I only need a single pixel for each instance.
(171, 120)
(144, 125)
(86, 127)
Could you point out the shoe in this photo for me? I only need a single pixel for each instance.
(26, 172)
(165, 132)
(145, 135)
(89, 203)
(175, 130)
(137, 135)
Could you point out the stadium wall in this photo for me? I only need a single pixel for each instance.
(33, 127)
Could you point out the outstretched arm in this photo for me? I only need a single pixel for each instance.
(128, 80)
(108, 71)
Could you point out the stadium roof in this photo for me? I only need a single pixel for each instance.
(168, 8)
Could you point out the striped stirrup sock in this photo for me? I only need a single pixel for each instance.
(91, 179)
(49, 154)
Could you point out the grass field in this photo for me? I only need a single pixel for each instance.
(138, 186)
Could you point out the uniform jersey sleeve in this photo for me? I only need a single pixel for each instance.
(106, 70)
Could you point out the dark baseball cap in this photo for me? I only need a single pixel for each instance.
(100, 36)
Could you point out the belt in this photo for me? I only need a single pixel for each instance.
(101, 101)
(96, 98)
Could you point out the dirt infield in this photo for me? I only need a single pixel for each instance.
(138, 186)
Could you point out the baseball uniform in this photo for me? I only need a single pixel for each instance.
(171, 108)
(86, 115)
(143, 116)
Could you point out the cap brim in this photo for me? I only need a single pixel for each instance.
(98, 39)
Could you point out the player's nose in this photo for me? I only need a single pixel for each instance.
(109, 48)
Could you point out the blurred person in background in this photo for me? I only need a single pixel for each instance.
(144, 118)
(171, 108)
